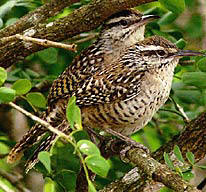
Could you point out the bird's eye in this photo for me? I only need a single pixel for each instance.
(124, 22)
(161, 53)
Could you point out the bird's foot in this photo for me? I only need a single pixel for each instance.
(124, 144)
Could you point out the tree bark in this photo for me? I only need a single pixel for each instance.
(191, 139)
(81, 20)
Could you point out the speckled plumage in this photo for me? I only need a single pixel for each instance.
(122, 95)
(119, 84)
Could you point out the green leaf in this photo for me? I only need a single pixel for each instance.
(63, 157)
(178, 154)
(91, 187)
(187, 176)
(36, 99)
(88, 148)
(202, 64)
(44, 158)
(3, 75)
(49, 185)
(189, 96)
(22, 86)
(49, 55)
(67, 179)
(11, 21)
(7, 94)
(165, 189)
(197, 79)
(176, 6)
(181, 43)
(73, 113)
(97, 164)
(201, 166)
(168, 161)
(167, 18)
(164, 34)
(191, 158)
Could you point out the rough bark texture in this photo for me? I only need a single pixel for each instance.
(191, 139)
(35, 17)
(83, 19)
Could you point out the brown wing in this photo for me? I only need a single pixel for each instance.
(73, 77)
(94, 81)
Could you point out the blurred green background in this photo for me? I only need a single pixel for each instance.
(182, 22)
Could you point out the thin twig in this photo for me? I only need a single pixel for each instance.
(180, 109)
(173, 111)
(42, 42)
(40, 121)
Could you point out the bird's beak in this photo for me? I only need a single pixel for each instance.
(148, 18)
(182, 53)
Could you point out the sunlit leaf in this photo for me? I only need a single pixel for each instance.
(73, 113)
(7, 94)
(168, 161)
(22, 86)
(178, 154)
(191, 158)
(3, 75)
(181, 43)
(91, 187)
(167, 18)
(88, 148)
(44, 158)
(49, 185)
(36, 99)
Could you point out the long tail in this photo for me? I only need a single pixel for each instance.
(31, 137)
(46, 145)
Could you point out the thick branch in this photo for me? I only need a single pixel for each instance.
(191, 139)
(83, 19)
(37, 16)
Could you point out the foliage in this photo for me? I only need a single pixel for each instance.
(62, 163)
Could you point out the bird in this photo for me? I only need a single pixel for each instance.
(119, 82)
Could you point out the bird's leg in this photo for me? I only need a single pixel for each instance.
(107, 145)
(94, 136)
(127, 140)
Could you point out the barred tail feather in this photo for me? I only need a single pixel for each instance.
(31, 137)
(46, 145)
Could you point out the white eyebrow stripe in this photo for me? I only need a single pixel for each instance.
(116, 20)
(150, 47)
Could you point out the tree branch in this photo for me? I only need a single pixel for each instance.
(43, 42)
(83, 19)
(191, 139)
(35, 17)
